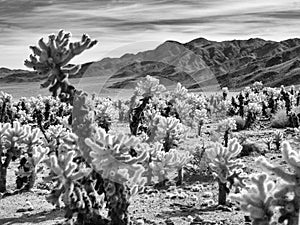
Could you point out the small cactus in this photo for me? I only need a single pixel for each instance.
(278, 138)
(225, 166)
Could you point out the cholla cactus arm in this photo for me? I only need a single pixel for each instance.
(78, 47)
(50, 60)
(152, 118)
(32, 138)
(39, 154)
(287, 194)
(111, 157)
(65, 174)
(258, 199)
(289, 177)
(64, 168)
(15, 134)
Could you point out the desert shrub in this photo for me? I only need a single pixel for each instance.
(240, 122)
(280, 119)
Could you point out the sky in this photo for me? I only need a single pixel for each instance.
(130, 26)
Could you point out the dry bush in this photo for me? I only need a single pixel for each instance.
(280, 119)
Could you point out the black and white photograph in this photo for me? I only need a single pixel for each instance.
(149, 112)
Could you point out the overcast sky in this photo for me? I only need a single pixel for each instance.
(137, 25)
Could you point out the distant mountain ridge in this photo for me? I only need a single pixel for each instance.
(196, 64)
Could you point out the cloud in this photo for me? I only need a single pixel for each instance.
(117, 23)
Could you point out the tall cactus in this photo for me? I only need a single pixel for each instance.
(51, 59)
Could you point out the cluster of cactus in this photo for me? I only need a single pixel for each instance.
(165, 123)
(17, 141)
(189, 108)
(226, 167)
(51, 61)
(256, 100)
(6, 113)
(217, 104)
(36, 111)
(238, 105)
(122, 108)
(265, 197)
(247, 107)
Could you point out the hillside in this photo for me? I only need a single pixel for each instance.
(199, 63)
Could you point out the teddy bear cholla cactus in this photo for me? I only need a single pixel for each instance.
(50, 61)
(74, 190)
(121, 172)
(17, 140)
(191, 115)
(262, 200)
(163, 162)
(225, 166)
(26, 175)
(160, 163)
(111, 157)
(170, 132)
(278, 138)
(146, 89)
(117, 172)
(10, 138)
(189, 106)
(225, 126)
(104, 113)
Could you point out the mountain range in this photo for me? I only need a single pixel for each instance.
(198, 64)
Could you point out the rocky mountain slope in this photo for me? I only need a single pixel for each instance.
(199, 63)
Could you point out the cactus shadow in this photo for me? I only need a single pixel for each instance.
(41, 217)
